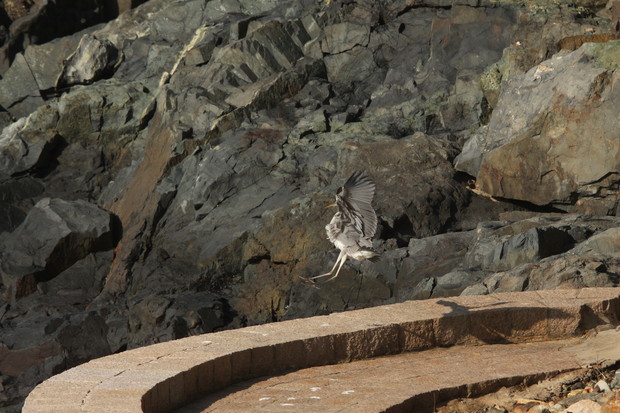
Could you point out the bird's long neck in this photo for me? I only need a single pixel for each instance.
(343, 207)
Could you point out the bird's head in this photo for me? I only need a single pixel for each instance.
(338, 199)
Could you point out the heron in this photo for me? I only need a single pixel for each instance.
(353, 226)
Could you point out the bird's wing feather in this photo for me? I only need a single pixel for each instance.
(359, 189)
(358, 193)
(333, 229)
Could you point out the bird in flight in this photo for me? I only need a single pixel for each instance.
(353, 226)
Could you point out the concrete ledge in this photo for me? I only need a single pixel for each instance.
(166, 376)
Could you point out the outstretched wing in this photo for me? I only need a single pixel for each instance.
(358, 193)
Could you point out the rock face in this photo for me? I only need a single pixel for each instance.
(546, 123)
(31, 22)
(54, 235)
(165, 174)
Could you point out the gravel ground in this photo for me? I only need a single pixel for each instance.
(593, 389)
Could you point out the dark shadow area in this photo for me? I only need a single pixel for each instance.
(202, 403)
(497, 329)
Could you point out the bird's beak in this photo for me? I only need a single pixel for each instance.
(331, 205)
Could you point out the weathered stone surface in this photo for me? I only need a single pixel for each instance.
(19, 92)
(46, 61)
(226, 126)
(605, 243)
(537, 152)
(344, 36)
(94, 59)
(54, 235)
(528, 246)
(37, 22)
(592, 262)
(427, 260)
(416, 339)
(26, 144)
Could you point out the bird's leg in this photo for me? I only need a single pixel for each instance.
(341, 256)
(344, 258)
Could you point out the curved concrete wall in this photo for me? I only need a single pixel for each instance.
(165, 376)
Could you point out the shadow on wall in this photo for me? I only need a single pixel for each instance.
(493, 325)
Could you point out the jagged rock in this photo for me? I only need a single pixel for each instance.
(82, 281)
(35, 346)
(19, 91)
(46, 61)
(605, 243)
(54, 235)
(344, 36)
(519, 157)
(28, 144)
(528, 246)
(159, 318)
(428, 260)
(593, 262)
(413, 205)
(94, 59)
(47, 20)
(226, 128)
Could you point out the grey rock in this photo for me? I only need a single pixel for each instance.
(344, 36)
(475, 289)
(506, 282)
(82, 281)
(419, 205)
(27, 144)
(159, 318)
(519, 148)
(19, 91)
(615, 382)
(38, 22)
(529, 246)
(428, 261)
(54, 235)
(355, 65)
(94, 59)
(454, 283)
(223, 132)
(46, 61)
(470, 158)
(605, 243)
(38, 346)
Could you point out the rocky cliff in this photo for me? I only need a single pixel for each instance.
(164, 174)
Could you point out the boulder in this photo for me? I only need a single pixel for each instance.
(592, 262)
(505, 253)
(54, 235)
(38, 22)
(158, 318)
(19, 91)
(217, 132)
(94, 59)
(420, 204)
(537, 150)
(28, 145)
(432, 261)
(604, 243)
(36, 346)
(344, 36)
(46, 61)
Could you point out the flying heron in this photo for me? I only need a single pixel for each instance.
(355, 223)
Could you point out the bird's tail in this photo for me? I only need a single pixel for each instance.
(370, 254)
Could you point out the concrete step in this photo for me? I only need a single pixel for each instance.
(411, 382)
(168, 376)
